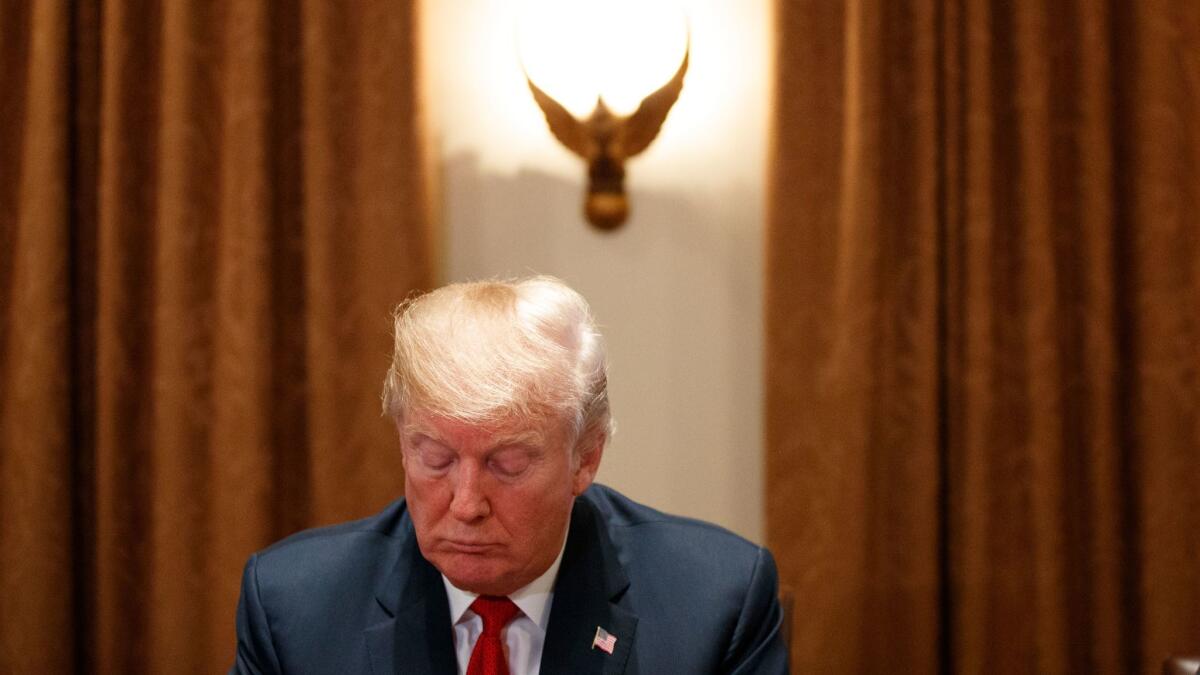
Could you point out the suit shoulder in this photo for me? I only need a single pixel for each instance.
(683, 571)
(333, 545)
(626, 518)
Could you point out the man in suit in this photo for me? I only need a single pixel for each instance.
(503, 558)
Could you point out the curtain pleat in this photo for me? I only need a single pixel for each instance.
(207, 213)
(852, 335)
(983, 396)
(37, 579)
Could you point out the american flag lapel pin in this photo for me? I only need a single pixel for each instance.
(604, 641)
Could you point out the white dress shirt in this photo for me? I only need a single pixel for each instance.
(523, 637)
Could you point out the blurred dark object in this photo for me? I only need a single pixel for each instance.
(785, 601)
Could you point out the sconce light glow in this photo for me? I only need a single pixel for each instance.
(593, 69)
(621, 50)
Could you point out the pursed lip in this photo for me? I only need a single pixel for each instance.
(468, 547)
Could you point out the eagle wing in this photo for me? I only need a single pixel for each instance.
(640, 128)
(568, 130)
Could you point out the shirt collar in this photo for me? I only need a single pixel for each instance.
(533, 599)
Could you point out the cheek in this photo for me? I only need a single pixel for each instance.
(534, 516)
(426, 501)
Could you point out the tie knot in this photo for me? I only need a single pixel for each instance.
(496, 612)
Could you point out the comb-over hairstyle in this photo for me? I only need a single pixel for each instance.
(487, 352)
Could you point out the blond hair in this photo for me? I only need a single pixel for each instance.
(490, 351)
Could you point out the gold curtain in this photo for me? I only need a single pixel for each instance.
(983, 386)
(207, 211)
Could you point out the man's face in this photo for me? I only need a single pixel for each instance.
(490, 505)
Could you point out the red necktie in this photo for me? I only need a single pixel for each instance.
(488, 656)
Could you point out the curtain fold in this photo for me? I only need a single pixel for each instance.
(983, 399)
(207, 213)
(36, 477)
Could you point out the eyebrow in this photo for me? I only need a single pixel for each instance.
(522, 438)
(528, 437)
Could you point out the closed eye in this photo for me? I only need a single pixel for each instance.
(437, 460)
(510, 463)
(433, 455)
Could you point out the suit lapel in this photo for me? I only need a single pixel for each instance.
(416, 636)
(590, 582)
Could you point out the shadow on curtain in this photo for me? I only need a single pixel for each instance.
(207, 212)
(984, 334)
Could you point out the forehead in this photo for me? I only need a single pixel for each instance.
(469, 434)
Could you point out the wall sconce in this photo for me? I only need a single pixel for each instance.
(606, 139)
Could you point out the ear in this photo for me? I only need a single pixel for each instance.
(589, 464)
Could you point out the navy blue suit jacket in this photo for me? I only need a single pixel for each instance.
(681, 596)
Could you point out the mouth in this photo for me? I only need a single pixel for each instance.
(467, 547)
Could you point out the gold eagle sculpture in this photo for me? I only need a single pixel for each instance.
(605, 140)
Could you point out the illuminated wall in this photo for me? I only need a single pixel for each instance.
(678, 290)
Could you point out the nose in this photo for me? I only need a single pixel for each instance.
(469, 502)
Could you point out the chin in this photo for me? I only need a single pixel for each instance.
(482, 585)
(484, 577)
